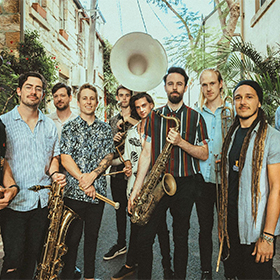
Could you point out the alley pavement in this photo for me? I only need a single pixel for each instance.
(107, 238)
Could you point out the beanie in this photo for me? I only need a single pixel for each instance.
(253, 85)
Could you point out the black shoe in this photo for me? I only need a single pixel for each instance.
(124, 272)
(168, 274)
(206, 275)
(77, 273)
(115, 251)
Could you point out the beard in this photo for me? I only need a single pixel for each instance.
(248, 117)
(175, 99)
(64, 107)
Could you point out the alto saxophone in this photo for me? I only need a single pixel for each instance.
(60, 217)
(154, 189)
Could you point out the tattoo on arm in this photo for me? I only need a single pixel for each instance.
(105, 162)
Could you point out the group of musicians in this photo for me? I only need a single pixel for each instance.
(244, 184)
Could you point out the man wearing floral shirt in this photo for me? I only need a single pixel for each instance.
(87, 149)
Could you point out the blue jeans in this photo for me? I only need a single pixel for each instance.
(23, 236)
(180, 205)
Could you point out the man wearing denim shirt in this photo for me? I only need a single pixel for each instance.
(32, 153)
(211, 106)
(250, 188)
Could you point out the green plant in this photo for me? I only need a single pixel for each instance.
(245, 62)
(29, 55)
(110, 82)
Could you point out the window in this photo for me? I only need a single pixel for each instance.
(261, 6)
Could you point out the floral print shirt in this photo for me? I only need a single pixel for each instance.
(87, 145)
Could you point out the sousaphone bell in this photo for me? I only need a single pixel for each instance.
(138, 61)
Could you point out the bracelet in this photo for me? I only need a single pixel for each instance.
(16, 186)
(268, 239)
(268, 234)
(53, 174)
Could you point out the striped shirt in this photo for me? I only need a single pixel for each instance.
(192, 129)
(29, 155)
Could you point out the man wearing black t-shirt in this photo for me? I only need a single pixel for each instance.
(250, 189)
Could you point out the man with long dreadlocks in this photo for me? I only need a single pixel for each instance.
(249, 198)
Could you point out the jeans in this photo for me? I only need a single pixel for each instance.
(118, 188)
(241, 263)
(180, 205)
(89, 221)
(205, 211)
(23, 236)
(164, 243)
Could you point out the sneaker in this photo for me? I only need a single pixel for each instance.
(168, 274)
(115, 251)
(124, 271)
(206, 275)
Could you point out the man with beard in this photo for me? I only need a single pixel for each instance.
(190, 145)
(118, 182)
(250, 188)
(33, 155)
(61, 100)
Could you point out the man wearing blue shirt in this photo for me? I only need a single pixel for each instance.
(33, 155)
(250, 188)
(211, 106)
(277, 119)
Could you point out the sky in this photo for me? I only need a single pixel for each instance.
(123, 16)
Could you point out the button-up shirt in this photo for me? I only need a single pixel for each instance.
(192, 129)
(277, 119)
(214, 130)
(87, 145)
(249, 232)
(29, 155)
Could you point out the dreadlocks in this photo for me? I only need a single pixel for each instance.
(257, 160)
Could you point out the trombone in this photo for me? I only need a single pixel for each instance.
(227, 116)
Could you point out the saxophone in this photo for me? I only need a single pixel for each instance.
(60, 217)
(154, 189)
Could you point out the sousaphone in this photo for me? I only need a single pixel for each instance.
(138, 61)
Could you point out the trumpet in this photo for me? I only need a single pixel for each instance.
(116, 205)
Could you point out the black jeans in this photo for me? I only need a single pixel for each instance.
(118, 188)
(205, 211)
(180, 205)
(90, 220)
(240, 262)
(164, 243)
(23, 236)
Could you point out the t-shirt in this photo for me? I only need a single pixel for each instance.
(234, 172)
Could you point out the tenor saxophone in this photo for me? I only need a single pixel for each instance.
(154, 189)
(60, 217)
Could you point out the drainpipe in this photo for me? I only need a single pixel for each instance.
(242, 15)
(22, 19)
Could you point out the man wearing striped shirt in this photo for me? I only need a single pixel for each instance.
(33, 154)
(190, 145)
